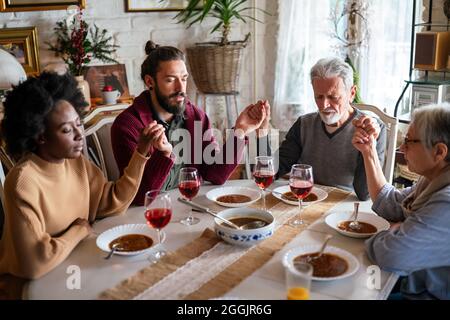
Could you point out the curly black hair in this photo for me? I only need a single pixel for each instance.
(28, 105)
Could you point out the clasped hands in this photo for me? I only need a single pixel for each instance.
(153, 136)
(367, 131)
(253, 117)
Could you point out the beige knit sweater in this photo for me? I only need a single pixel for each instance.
(42, 199)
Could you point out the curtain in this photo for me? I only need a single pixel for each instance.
(384, 67)
(305, 36)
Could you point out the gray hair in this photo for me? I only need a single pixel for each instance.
(333, 67)
(432, 124)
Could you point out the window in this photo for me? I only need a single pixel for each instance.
(305, 36)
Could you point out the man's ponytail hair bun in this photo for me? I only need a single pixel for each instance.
(150, 46)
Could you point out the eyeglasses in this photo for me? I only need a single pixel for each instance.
(406, 141)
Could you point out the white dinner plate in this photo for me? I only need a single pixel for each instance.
(105, 238)
(334, 219)
(353, 263)
(320, 193)
(254, 195)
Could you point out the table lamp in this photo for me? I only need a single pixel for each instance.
(11, 73)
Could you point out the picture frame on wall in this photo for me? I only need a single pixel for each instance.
(39, 5)
(114, 75)
(22, 43)
(155, 5)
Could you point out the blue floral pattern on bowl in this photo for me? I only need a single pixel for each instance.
(244, 238)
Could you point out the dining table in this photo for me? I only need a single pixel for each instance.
(199, 265)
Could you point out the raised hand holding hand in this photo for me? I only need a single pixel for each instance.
(251, 118)
(162, 144)
(362, 141)
(369, 124)
(149, 136)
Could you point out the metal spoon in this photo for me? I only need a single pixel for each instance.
(282, 195)
(207, 210)
(355, 224)
(276, 192)
(250, 225)
(113, 249)
(322, 249)
(253, 225)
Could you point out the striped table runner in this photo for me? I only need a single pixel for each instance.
(208, 267)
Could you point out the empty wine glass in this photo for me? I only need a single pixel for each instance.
(301, 183)
(263, 174)
(189, 185)
(158, 211)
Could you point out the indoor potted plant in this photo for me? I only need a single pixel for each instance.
(215, 65)
(77, 44)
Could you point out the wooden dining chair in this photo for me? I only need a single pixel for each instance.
(98, 146)
(6, 163)
(391, 136)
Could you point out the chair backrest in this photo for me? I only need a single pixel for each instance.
(6, 163)
(2, 197)
(98, 146)
(105, 110)
(391, 136)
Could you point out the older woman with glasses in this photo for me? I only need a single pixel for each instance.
(417, 244)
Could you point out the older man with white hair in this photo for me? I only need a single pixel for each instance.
(323, 139)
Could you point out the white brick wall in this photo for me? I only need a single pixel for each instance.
(132, 30)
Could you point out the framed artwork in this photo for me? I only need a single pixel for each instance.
(22, 43)
(155, 5)
(39, 5)
(114, 75)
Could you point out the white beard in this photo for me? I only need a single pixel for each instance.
(330, 118)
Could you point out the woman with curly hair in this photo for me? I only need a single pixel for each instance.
(53, 193)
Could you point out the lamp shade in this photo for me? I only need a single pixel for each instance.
(11, 71)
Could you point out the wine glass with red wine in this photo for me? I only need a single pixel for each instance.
(301, 183)
(189, 184)
(263, 174)
(158, 212)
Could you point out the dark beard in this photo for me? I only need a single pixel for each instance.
(177, 108)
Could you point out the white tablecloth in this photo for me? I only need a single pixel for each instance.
(97, 274)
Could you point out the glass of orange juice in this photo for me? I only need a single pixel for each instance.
(298, 280)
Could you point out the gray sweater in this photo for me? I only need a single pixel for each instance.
(420, 249)
(334, 160)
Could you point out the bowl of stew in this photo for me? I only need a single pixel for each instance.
(370, 224)
(242, 216)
